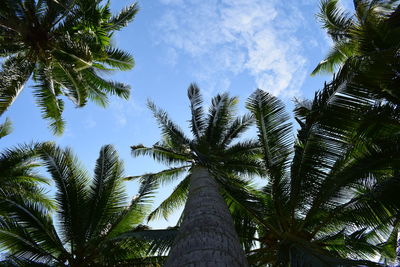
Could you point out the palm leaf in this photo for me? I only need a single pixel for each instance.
(171, 132)
(197, 119)
(334, 20)
(46, 92)
(119, 59)
(14, 74)
(274, 130)
(238, 126)
(100, 87)
(219, 118)
(160, 153)
(134, 214)
(162, 177)
(106, 196)
(123, 18)
(39, 220)
(71, 196)
(359, 166)
(339, 53)
(174, 201)
(5, 128)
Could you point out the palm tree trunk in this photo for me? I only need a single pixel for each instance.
(207, 236)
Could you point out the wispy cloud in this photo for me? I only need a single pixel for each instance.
(124, 110)
(229, 37)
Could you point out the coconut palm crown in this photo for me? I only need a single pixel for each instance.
(370, 30)
(365, 46)
(331, 193)
(18, 175)
(64, 46)
(94, 225)
(211, 159)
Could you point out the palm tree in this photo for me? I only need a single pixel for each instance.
(94, 225)
(212, 159)
(18, 176)
(365, 49)
(17, 171)
(64, 46)
(365, 46)
(332, 199)
(366, 32)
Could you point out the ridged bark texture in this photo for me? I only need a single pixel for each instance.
(207, 236)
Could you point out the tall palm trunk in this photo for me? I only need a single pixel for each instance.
(207, 236)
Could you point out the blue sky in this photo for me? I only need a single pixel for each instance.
(222, 45)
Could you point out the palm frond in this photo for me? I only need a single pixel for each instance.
(305, 254)
(99, 88)
(274, 130)
(71, 183)
(197, 119)
(18, 176)
(170, 131)
(24, 212)
(106, 196)
(252, 147)
(174, 201)
(135, 213)
(123, 18)
(338, 54)
(5, 128)
(161, 154)
(46, 93)
(379, 156)
(326, 125)
(74, 87)
(219, 118)
(111, 87)
(119, 59)
(161, 240)
(162, 177)
(336, 21)
(15, 72)
(238, 126)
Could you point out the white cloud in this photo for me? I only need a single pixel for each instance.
(175, 2)
(229, 37)
(124, 110)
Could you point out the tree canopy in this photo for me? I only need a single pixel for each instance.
(64, 47)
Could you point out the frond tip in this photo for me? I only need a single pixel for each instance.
(5, 128)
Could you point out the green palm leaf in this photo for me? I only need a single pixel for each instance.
(93, 221)
(106, 195)
(46, 92)
(15, 72)
(175, 200)
(171, 132)
(339, 53)
(336, 21)
(119, 59)
(5, 128)
(71, 183)
(273, 130)
(66, 48)
(197, 122)
(124, 17)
